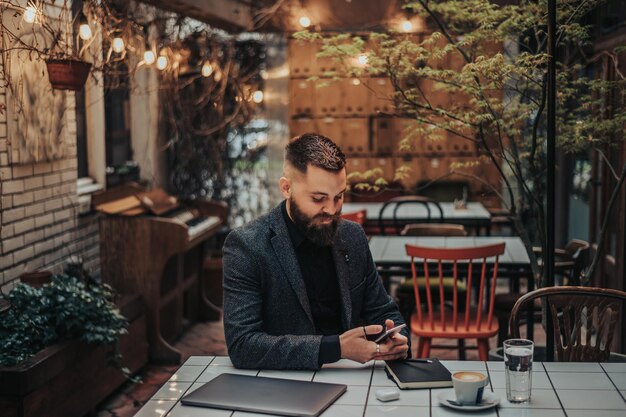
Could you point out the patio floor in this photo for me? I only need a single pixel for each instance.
(208, 339)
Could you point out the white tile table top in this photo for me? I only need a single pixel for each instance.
(559, 390)
(614, 367)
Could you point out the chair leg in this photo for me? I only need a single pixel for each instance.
(461, 345)
(424, 347)
(483, 349)
(503, 329)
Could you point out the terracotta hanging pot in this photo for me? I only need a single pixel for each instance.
(36, 278)
(67, 74)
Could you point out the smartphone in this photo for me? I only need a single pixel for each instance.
(389, 333)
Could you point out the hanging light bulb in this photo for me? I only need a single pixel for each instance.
(304, 21)
(362, 59)
(161, 62)
(257, 96)
(84, 32)
(148, 57)
(118, 44)
(356, 81)
(30, 14)
(207, 69)
(218, 75)
(406, 26)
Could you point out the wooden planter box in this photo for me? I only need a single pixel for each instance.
(71, 378)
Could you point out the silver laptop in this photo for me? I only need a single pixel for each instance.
(265, 395)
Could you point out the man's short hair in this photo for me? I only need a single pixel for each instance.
(314, 149)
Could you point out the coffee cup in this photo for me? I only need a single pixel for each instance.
(469, 386)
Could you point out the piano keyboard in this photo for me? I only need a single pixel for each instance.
(196, 224)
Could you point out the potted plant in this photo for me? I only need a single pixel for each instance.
(59, 337)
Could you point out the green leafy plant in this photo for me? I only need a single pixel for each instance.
(66, 308)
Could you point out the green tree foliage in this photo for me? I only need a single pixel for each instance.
(490, 60)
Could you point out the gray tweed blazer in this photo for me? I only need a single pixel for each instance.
(267, 318)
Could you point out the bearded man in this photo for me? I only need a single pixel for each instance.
(300, 286)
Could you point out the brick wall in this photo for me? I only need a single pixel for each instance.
(39, 224)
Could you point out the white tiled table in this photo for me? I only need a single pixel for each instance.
(559, 390)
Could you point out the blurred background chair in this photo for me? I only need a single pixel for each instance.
(433, 229)
(570, 262)
(433, 212)
(357, 216)
(584, 320)
(449, 321)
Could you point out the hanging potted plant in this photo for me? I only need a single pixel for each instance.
(66, 70)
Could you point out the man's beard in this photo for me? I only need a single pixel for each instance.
(320, 234)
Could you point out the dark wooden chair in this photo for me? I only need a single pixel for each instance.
(569, 263)
(433, 229)
(584, 320)
(433, 212)
(438, 321)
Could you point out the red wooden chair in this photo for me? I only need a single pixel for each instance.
(468, 323)
(357, 216)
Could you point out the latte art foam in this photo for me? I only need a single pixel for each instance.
(469, 376)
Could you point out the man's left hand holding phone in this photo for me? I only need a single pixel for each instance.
(359, 344)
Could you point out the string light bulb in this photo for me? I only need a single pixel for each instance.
(257, 96)
(362, 59)
(207, 69)
(118, 44)
(148, 57)
(30, 14)
(406, 26)
(304, 21)
(84, 32)
(161, 62)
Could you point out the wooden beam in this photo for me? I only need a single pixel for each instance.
(230, 15)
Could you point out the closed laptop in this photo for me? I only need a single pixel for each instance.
(265, 395)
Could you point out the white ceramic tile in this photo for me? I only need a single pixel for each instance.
(222, 361)
(189, 411)
(419, 397)
(572, 367)
(212, 371)
(540, 380)
(199, 360)
(619, 379)
(449, 412)
(395, 411)
(454, 366)
(246, 414)
(596, 413)
(354, 395)
(614, 367)
(187, 373)
(297, 375)
(337, 410)
(540, 398)
(380, 379)
(347, 363)
(155, 408)
(586, 381)
(532, 412)
(591, 400)
(344, 376)
(171, 391)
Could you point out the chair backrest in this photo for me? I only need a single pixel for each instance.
(584, 320)
(434, 229)
(455, 258)
(356, 216)
(395, 203)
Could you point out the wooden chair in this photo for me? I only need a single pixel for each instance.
(356, 216)
(433, 229)
(568, 266)
(460, 323)
(430, 205)
(584, 320)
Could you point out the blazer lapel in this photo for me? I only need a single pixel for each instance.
(342, 265)
(286, 255)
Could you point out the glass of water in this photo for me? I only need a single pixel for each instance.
(518, 363)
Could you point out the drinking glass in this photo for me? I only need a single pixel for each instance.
(518, 364)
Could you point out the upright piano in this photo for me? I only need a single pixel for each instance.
(153, 244)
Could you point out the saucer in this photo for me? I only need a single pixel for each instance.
(488, 397)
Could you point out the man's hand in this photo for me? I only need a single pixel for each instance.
(355, 346)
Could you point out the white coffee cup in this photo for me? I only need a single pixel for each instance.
(469, 386)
